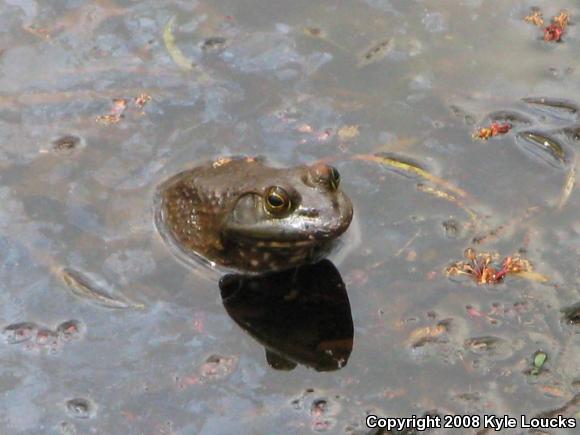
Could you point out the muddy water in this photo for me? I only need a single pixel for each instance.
(296, 82)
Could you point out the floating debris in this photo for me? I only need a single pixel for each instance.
(540, 359)
(116, 112)
(490, 346)
(485, 268)
(429, 334)
(556, 29)
(46, 338)
(348, 132)
(82, 286)
(376, 52)
(545, 147)
(176, 54)
(567, 188)
(141, 100)
(562, 19)
(553, 33)
(120, 106)
(535, 17)
(555, 104)
(66, 143)
(315, 32)
(70, 330)
(495, 129)
(218, 367)
(35, 337)
(19, 332)
(213, 43)
(80, 408)
(572, 314)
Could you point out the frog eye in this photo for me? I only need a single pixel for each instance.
(334, 178)
(277, 200)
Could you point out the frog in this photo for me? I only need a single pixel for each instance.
(243, 214)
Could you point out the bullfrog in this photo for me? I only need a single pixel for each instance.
(242, 214)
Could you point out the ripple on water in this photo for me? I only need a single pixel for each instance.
(80, 408)
(19, 332)
(218, 367)
(322, 409)
(494, 347)
(36, 337)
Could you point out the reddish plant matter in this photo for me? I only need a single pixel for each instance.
(485, 268)
(494, 129)
(535, 17)
(553, 32)
(562, 19)
(556, 29)
(116, 112)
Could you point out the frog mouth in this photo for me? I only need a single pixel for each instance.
(279, 244)
(274, 244)
(286, 241)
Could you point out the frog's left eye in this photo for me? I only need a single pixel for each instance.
(334, 178)
(277, 200)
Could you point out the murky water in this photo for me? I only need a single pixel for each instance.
(296, 82)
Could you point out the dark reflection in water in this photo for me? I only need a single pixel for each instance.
(301, 316)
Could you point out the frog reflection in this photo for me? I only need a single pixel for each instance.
(301, 316)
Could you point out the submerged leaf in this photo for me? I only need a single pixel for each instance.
(553, 104)
(429, 334)
(448, 197)
(408, 167)
(545, 147)
(567, 188)
(176, 54)
(375, 52)
(82, 286)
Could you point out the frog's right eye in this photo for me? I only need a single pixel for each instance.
(334, 177)
(277, 201)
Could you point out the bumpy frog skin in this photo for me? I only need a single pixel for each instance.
(243, 215)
